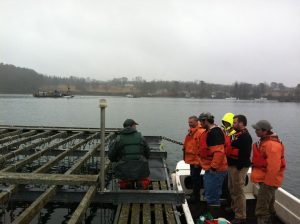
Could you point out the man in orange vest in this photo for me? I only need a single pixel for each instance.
(213, 161)
(191, 155)
(268, 165)
(238, 158)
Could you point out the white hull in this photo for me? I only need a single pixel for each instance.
(287, 206)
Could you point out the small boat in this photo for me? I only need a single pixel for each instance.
(231, 98)
(287, 206)
(261, 99)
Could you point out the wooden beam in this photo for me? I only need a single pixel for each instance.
(11, 138)
(36, 155)
(12, 133)
(146, 213)
(79, 162)
(159, 219)
(135, 214)
(123, 219)
(35, 207)
(3, 131)
(58, 128)
(14, 153)
(46, 166)
(4, 196)
(83, 206)
(168, 208)
(17, 143)
(48, 179)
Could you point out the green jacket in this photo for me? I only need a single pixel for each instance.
(130, 152)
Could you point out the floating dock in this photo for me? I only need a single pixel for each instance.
(62, 165)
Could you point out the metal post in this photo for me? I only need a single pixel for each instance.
(102, 105)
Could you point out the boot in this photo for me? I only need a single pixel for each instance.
(195, 196)
(214, 210)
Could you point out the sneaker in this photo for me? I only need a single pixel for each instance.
(238, 221)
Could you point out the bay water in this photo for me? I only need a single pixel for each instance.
(159, 117)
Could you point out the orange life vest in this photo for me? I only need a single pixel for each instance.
(191, 145)
(259, 159)
(232, 152)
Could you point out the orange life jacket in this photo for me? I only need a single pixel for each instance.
(232, 152)
(191, 145)
(259, 159)
(205, 153)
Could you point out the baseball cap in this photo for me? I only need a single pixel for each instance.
(205, 115)
(129, 122)
(262, 124)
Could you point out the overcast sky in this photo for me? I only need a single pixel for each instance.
(218, 41)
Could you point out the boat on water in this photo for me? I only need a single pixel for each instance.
(287, 206)
(231, 98)
(261, 99)
(53, 94)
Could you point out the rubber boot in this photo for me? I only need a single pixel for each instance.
(195, 197)
(214, 210)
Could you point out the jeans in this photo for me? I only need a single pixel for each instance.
(213, 182)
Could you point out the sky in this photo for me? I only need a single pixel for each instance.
(217, 41)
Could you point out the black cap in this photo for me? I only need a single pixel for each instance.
(129, 122)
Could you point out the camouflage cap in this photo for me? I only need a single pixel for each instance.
(262, 124)
(205, 115)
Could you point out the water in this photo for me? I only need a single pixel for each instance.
(158, 116)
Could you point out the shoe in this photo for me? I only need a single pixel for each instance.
(228, 210)
(238, 221)
(215, 211)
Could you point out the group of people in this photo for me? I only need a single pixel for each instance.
(226, 153)
(222, 152)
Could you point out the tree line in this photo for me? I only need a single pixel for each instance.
(26, 81)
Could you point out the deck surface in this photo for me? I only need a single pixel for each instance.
(147, 213)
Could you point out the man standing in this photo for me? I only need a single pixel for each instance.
(238, 158)
(268, 165)
(213, 161)
(130, 152)
(191, 155)
(227, 125)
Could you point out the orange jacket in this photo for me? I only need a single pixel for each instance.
(268, 161)
(192, 144)
(212, 156)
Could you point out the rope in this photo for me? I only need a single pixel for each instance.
(171, 140)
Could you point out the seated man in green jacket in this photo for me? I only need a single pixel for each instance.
(130, 153)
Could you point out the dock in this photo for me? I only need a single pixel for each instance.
(41, 165)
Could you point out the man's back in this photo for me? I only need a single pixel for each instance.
(130, 151)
